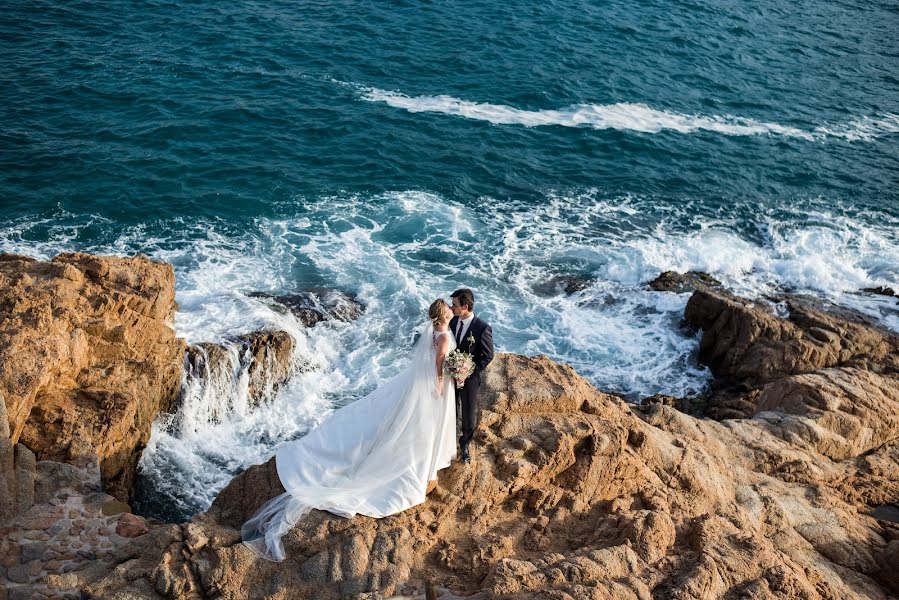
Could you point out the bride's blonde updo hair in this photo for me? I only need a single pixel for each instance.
(436, 311)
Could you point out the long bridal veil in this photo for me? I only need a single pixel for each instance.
(372, 457)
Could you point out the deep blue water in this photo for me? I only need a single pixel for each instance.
(235, 110)
(400, 150)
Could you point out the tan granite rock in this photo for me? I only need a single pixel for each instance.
(88, 356)
(572, 493)
(745, 340)
(747, 346)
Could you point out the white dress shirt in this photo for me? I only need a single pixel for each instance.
(464, 325)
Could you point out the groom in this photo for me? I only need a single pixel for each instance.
(475, 337)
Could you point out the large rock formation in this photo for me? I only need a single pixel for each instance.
(746, 341)
(574, 494)
(88, 356)
(748, 346)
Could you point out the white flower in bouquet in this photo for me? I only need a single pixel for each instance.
(460, 365)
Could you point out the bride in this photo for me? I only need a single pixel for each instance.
(375, 456)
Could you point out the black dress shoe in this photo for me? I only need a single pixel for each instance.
(465, 458)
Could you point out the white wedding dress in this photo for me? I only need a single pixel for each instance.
(372, 457)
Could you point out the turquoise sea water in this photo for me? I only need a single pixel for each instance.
(400, 150)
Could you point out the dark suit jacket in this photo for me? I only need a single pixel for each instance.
(481, 349)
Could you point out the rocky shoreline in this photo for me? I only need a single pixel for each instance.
(763, 488)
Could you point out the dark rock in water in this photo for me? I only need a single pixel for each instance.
(317, 304)
(266, 357)
(569, 284)
(681, 283)
(881, 290)
(800, 306)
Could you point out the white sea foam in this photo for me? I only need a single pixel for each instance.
(864, 128)
(625, 116)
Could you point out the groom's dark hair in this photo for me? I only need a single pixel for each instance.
(465, 296)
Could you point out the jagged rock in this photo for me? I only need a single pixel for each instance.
(316, 304)
(880, 290)
(571, 493)
(265, 358)
(130, 525)
(271, 365)
(839, 412)
(746, 341)
(87, 356)
(567, 284)
(681, 283)
(747, 345)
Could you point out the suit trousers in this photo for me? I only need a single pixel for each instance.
(468, 407)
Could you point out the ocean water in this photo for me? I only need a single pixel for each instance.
(401, 150)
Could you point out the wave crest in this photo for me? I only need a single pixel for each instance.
(627, 116)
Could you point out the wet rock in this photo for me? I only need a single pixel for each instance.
(262, 360)
(316, 304)
(562, 284)
(682, 283)
(271, 361)
(880, 290)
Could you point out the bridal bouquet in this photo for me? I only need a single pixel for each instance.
(460, 365)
